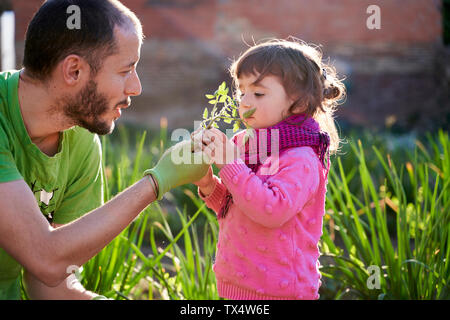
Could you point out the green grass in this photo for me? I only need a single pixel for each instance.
(176, 264)
(386, 207)
(414, 256)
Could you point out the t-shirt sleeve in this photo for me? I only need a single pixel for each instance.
(85, 192)
(8, 168)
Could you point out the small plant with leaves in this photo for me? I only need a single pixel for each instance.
(225, 108)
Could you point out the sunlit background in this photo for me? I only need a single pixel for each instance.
(397, 76)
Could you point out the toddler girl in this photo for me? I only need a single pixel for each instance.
(270, 197)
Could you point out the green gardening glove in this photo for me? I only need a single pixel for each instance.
(178, 165)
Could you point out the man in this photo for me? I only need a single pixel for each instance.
(74, 85)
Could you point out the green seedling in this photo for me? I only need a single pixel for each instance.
(225, 108)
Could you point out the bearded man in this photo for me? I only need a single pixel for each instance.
(73, 86)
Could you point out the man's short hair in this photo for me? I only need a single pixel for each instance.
(49, 39)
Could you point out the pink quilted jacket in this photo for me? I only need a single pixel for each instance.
(267, 247)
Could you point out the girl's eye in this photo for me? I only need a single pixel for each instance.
(259, 94)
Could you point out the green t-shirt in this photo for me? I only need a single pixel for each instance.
(65, 186)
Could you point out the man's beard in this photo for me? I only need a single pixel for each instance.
(86, 109)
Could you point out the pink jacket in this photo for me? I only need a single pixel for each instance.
(267, 247)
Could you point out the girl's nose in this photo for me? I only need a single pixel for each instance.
(245, 102)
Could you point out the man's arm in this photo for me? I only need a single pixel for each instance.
(69, 289)
(66, 290)
(46, 252)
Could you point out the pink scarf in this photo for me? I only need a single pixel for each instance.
(294, 131)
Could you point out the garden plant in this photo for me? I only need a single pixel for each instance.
(386, 232)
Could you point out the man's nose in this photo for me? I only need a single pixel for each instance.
(133, 85)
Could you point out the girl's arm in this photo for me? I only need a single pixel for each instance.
(283, 195)
(211, 190)
(213, 199)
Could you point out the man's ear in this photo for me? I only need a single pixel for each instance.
(74, 69)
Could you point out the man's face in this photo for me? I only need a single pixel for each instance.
(98, 104)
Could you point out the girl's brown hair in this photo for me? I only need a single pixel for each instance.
(310, 82)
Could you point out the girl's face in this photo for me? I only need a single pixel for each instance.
(267, 96)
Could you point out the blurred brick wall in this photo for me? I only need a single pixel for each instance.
(392, 73)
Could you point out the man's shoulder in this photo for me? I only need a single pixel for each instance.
(5, 77)
(83, 151)
(84, 146)
(8, 81)
(5, 130)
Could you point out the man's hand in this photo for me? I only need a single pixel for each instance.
(178, 165)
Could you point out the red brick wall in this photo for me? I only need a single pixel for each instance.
(391, 71)
(343, 21)
(24, 10)
(324, 21)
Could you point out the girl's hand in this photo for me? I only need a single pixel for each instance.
(206, 180)
(219, 148)
(206, 184)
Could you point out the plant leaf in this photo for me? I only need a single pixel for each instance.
(236, 126)
(205, 114)
(249, 113)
